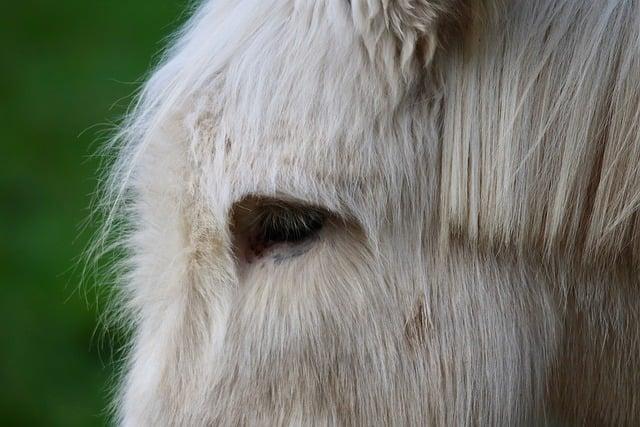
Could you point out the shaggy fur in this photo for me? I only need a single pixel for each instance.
(384, 212)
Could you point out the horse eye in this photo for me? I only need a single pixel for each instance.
(259, 224)
(290, 225)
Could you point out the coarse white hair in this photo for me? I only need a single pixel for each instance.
(384, 212)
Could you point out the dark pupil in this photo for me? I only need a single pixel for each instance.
(291, 228)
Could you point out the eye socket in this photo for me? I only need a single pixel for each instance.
(260, 224)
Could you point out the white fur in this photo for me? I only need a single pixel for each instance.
(484, 161)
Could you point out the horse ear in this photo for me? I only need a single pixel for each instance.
(414, 25)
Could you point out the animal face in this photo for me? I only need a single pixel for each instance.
(314, 231)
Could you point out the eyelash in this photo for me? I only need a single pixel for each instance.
(282, 224)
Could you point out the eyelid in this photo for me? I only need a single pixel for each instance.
(252, 205)
(290, 225)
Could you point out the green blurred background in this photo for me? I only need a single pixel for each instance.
(66, 75)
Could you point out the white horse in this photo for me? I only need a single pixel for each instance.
(385, 212)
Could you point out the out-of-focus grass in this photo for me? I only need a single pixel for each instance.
(61, 84)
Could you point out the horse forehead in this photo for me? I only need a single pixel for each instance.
(311, 131)
(318, 171)
(297, 106)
